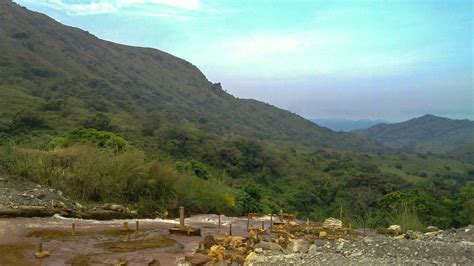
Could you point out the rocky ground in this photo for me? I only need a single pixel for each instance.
(15, 192)
(450, 247)
(22, 198)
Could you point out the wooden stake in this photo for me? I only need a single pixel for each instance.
(340, 213)
(40, 247)
(350, 230)
(281, 215)
(137, 226)
(219, 221)
(271, 221)
(248, 221)
(73, 229)
(230, 229)
(263, 225)
(181, 216)
(125, 226)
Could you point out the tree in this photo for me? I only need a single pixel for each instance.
(99, 122)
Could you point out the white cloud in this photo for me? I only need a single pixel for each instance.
(150, 7)
(185, 4)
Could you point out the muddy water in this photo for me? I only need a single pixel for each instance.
(106, 242)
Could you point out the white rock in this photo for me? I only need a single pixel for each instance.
(332, 223)
(394, 228)
(432, 228)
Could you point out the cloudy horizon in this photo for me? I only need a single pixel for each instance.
(388, 60)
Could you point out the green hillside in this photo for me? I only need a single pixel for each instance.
(48, 61)
(424, 134)
(105, 122)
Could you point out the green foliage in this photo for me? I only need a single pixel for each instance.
(248, 199)
(407, 218)
(194, 167)
(409, 203)
(83, 172)
(53, 105)
(25, 121)
(100, 122)
(103, 139)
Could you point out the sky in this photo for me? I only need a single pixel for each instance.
(390, 60)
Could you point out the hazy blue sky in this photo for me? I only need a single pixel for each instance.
(387, 60)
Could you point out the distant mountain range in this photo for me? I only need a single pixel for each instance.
(424, 134)
(346, 124)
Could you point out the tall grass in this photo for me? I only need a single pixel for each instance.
(407, 218)
(90, 173)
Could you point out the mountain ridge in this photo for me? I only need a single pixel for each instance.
(428, 133)
(47, 60)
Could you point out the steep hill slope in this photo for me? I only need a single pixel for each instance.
(44, 61)
(428, 133)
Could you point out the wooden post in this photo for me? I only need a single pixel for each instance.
(219, 221)
(230, 229)
(181, 216)
(125, 226)
(350, 231)
(271, 221)
(73, 229)
(281, 215)
(263, 225)
(40, 247)
(248, 221)
(340, 213)
(307, 225)
(137, 226)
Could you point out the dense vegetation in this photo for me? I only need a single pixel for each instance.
(109, 123)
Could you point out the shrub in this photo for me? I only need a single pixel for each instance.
(103, 139)
(25, 121)
(53, 105)
(100, 122)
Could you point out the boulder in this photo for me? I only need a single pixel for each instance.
(209, 241)
(78, 206)
(197, 259)
(432, 228)
(395, 229)
(332, 223)
(113, 207)
(297, 246)
(268, 246)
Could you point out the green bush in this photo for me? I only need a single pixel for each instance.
(103, 139)
(100, 122)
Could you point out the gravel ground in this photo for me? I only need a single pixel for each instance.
(451, 247)
(20, 192)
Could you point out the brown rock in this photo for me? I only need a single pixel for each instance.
(197, 259)
(209, 241)
(42, 254)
